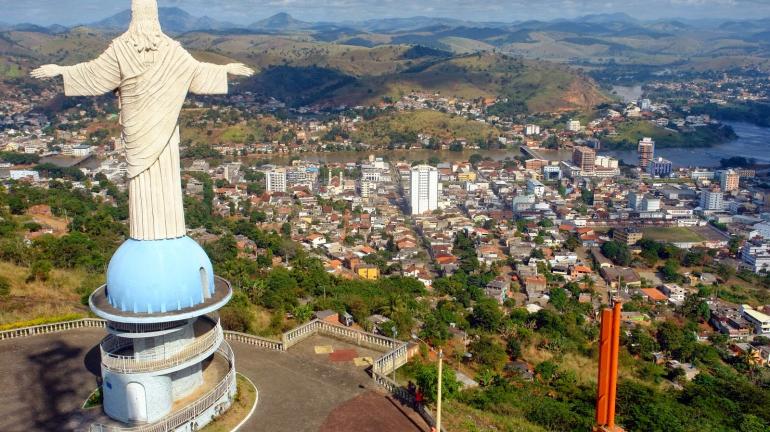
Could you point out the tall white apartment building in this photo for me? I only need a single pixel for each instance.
(424, 189)
(276, 180)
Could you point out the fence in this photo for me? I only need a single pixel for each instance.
(256, 341)
(52, 328)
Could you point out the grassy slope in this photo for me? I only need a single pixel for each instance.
(543, 86)
(439, 125)
(31, 300)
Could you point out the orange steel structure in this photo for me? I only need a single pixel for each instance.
(609, 344)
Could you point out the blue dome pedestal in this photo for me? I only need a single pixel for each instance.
(166, 343)
(159, 276)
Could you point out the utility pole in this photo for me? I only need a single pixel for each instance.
(440, 379)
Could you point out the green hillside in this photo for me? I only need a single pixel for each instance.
(405, 126)
(301, 71)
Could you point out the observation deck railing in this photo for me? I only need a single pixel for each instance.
(160, 359)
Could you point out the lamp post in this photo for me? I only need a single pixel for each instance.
(440, 380)
(395, 335)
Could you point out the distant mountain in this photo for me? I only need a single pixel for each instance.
(608, 18)
(387, 25)
(173, 20)
(281, 22)
(34, 28)
(745, 25)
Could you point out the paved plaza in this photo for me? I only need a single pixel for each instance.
(47, 378)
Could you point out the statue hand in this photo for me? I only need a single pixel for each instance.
(239, 69)
(47, 71)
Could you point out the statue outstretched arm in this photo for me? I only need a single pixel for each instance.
(212, 79)
(93, 78)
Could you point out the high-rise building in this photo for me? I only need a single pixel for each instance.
(649, 204)
(635, 200)
(729, 180)
(424, 189)
(368, 189)
(712, 200)
(646, 152)
(660, 167)
(276, 180)
(585, 159)
(574, 126)
(532, 129)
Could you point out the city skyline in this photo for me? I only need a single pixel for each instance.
(242, 12)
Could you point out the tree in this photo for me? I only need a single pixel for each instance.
(486, 315)
(617, 252)
(302, 313)
(426, 377)
(40, 270)
(514, 348)
(725, 272)
(670, 271)
(435, 330)
(489, 352)
(559, 298)
(547, 370)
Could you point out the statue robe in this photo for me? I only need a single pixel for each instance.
(151, 87)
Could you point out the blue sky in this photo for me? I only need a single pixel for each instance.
(70, 12)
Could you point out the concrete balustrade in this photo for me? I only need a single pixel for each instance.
(52, 328)
(157, 361)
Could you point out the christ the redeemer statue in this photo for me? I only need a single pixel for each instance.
(151, 75)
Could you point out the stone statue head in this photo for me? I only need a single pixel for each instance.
(144, 31)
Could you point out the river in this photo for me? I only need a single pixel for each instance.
(753, 142)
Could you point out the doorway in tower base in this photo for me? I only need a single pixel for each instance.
(137, 402)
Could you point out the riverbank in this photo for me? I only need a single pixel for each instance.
(629, 134)
(753, 142)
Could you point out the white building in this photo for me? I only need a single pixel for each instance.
(756, 255)
(712, 200)
(760, 321)
(650, 204)
(552, 172)
(532, 130)
(371, 175)
(423, 189)
(536, 188)
(276, 180)
(607, 162)
(368, 189)
(82, 150)
(574, 126)
(675, 293)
